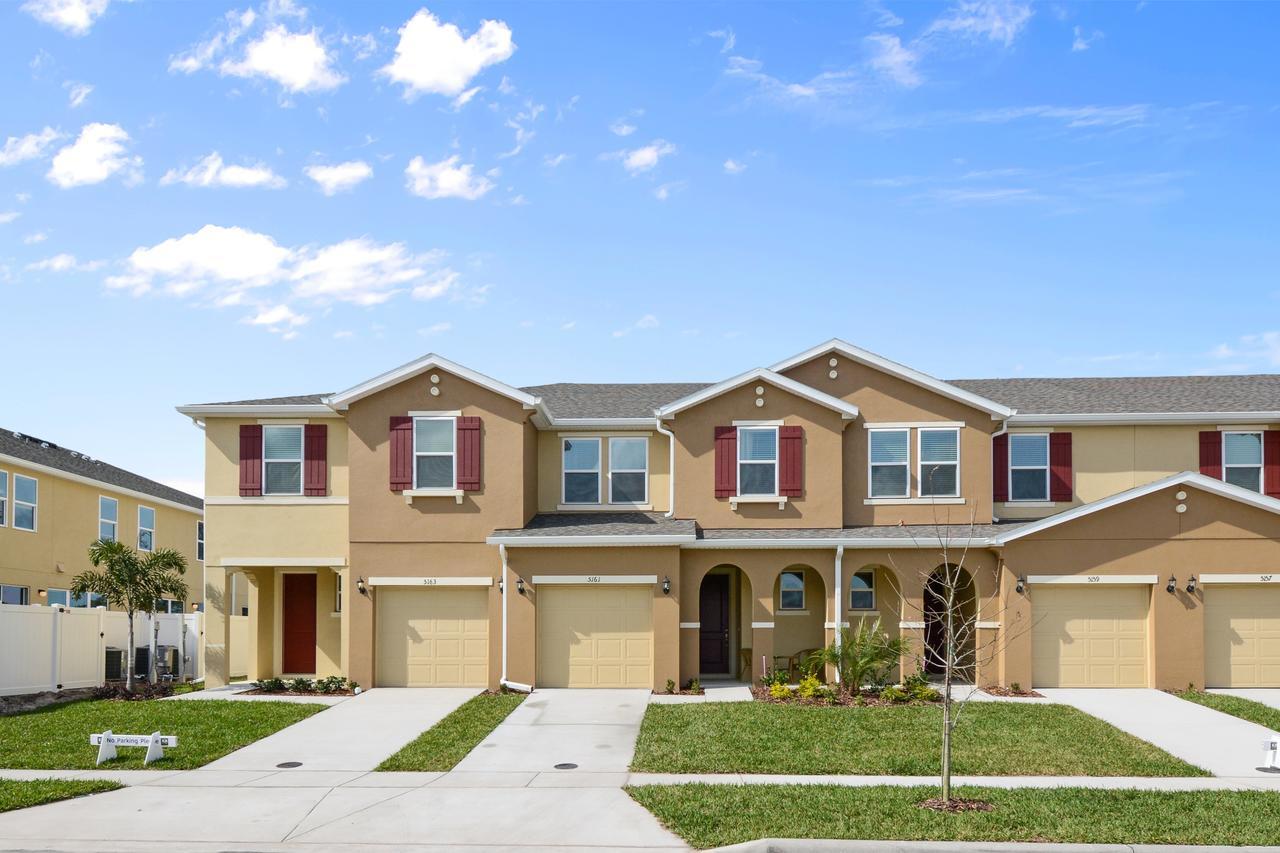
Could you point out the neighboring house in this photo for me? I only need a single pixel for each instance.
(55, 503)
(434, 526)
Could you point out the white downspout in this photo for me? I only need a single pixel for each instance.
(838, 599)
(671, 468)
(1004, 428)
(502, 681)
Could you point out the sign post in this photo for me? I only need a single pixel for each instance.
(154, 742)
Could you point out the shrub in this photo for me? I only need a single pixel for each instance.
(671, 685)
(694, 686)
(779, 690)
(894, 694)
(864, 656)
(1017, 688)
(924, 693)
(302, 685)
(331, 684)
(917, 679)
(271, 685)
(809, 687)
(775, 676)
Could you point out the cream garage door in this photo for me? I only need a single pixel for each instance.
(595, 636)
(437, 637)
(1089, 636)
(1242, 636)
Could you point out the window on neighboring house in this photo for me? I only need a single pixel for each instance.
(337, 594)
(890, 462)
(200, 541)
(108, 518)
(628, 470)
(4, 498)
(58, 596)
(88, 599)
(146, 528)
(1242, 459)
(862, 591)
(433, 453)
(757, 461)
(1028, 467)
(791, 590)
(939, 463)
(581, 470)
(13, 594)
(282, 460)
(26, 498)
(168, 605)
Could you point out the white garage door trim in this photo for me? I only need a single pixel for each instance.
(430, 581)
(1128, 580)
(1224, 578)
(583, 580)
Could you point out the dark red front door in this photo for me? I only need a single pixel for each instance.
(298, 631)
(713, 616)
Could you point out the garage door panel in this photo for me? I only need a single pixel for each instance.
(1242, 636)
(1089, 637)
(432, 637)
(595, 636)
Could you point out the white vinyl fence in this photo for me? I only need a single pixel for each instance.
(61, 648)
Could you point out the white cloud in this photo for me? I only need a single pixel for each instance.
(1082, 41)
(73, 17)
(734, 167)
(35, 237)
(339, 177)
(435, 58)
(278, 319)
(993, 20)
(828, 84)
(63, 263)
(890, 58)
(648, 321)
(358, 271)
(212, 172)
(441, 282)
(445, 179)
(7, 216)
(568, 327)
(297, 61)
(343, 334)
(76, 92)
(520, 123)
(230, 260)
(665, 191)
(436, 329)
(622, 127)
(727, 38)
(505, 86)
(97, 154)
(19, 148)
(554, 160)
(1249, 352)
(465, 97)
(203, 54)
(645, 158)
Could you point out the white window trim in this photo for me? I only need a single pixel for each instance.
(920, 463)
(874, 597)
(645, 471)
(777, 464)
(150, 530)
(1262, 456)
(598, 471)
(302, 455)
(200, 541)
(452, 489)
(26, 590)
(337, 593)
(803, 591)
(5, 504)
(872, 465)
(116, 536)
(35, 507)
(48, 596)
(1045, 501)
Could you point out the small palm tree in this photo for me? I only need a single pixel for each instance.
(864, 656)
(132, 582)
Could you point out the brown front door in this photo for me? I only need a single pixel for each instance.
(713, 616)
(298, 628)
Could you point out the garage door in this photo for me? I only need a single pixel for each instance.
(1089, 636)
(595, 636)
(435, 637)
(1242, 636)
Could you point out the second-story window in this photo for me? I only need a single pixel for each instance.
(757, 461)
(890, 463)
(146, 528)
(1028, 467)
(200, 541)
(282, 460)
(433, 453)
(108, 518)
(4, 498)
(939, 463)
(581, 470)
(628, 470)
(26, 501)
(1242, 459)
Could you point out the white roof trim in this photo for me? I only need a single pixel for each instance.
(1123, 418)
(249, 410)
(622, 540)
(1186, 478)
(847, 410)
(855, 544)
(879, 362)
(341, 400)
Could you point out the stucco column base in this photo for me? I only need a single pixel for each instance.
(217, 626)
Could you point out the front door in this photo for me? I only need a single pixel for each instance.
(713, 617)
(298, 625)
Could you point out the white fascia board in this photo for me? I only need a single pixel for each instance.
(848, 544)
(101, 484)
(1130, 418)
(430, 361)
(586, 541)
(847, 410)
(879, 362)
(246, 411)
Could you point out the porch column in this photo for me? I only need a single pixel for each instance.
(762, 617)
(911, 619)
(690, 613)
(262, 623)
(217, 626)
(344, 626)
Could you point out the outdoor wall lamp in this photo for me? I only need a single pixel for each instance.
(666, 586)
(360, 587)
(42, 593)
(1172, 586)
(1021, 586)
(520, 585)
(1191, 584)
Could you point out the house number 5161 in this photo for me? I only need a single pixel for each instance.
(593, 579)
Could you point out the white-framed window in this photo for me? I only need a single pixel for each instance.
(1242, 459)
(629, 470)
(434, 452)
(11, 594)
(862, 590)
(890, 464)
(4, 498)
(108, 518)
(1028, 467)
(758, 461)
(88, 599)
(580, 481)
(337, 593)
(939, 455)
(791, 590)
(200, 541)
(282, 460)
(58, 596)
(146, 528)
(26, 501)
(168, 605)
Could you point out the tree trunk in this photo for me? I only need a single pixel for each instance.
(128, 656)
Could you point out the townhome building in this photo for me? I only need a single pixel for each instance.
(56, 502)
(436, 526)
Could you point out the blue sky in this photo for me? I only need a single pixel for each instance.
(205, 201)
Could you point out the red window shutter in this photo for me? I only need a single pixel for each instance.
(401, 453)
(468, 433)
(726, 461)
(1211, 454)
(1271, 460)
(315, 467)
(791, 461)
(1000, 468)
(1060, 479)
(250, 460)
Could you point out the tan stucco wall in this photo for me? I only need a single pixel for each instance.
(549, 467)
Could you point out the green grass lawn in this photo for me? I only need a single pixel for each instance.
(714, 815)
(57, 737)
(20, 795)
(992, 739)
(448, 741)
(1245, 709)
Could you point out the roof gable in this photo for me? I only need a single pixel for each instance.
(847, 410)
(343, 399)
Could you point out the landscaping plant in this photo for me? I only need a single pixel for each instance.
(864, 656)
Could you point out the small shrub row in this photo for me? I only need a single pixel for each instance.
(329, 685)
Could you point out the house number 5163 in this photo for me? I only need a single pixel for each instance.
(593, 579)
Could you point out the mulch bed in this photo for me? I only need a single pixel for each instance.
(997, 690)
(868, 699)
(257, 691)
(956, 805)
(142, 691)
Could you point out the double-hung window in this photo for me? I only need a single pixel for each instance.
(791, 590)
(200, 541)
(58, 596)
(88, 599)
(890, 463)
(26, 500)
(282, 460)
(1242, 459)
(628, 470)
(4, 498)
(13, 594)
(581, 467)
(1028, 467)
(862, 591)
(146, 528)
(939, 463)
(434, 452)
(108, 518)
(758, 461)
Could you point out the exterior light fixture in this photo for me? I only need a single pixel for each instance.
(1021, 586)
(666, 586)
(195, 607)
(1191, 584)
(42, 593)
(360, 586)
(520, 585)
(1172, 586)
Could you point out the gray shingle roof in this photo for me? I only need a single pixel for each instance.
(41, 452)
(1132, 394)
(603, 524)
(611, 399)
(296, 400)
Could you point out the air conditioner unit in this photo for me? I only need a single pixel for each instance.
(115, 664)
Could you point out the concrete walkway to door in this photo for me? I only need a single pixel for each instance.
(1220, 743)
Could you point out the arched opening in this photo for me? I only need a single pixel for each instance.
(950, 602)
(724, 624)
(800, 615)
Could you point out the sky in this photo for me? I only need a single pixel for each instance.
(207, 201)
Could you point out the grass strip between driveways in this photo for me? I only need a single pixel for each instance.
(1245, 709)
(715, 815)
(992, 739)
(57, 736)
(15, 794)
(448, 741)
